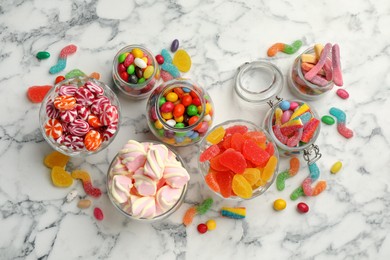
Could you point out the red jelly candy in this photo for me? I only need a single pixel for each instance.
(233, 160)
(237, 141)
(309, 130)
(236, 129)
(211, 180)
(258, 137)
(270, 149)
(98, 213)
(36, 94)
(209, 153)
(216, 165)
(224, 180)
(227, 142)
(254, 153)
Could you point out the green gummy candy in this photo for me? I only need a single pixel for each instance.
(298, 192)
(205, 206)
(74, 73)
(291, 49)
(327, 120)
(42, 55)
(280, 180)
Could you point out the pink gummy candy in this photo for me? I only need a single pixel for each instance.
(68, 50)
(324, 54)
(337, 75)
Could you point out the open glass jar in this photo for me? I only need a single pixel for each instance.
(309, 90)
(179, 112)
(135, 71)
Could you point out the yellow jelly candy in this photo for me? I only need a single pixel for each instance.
(182, 61)
(269, 168)
(241, 187)
(56, 159)
(60, 177)
(216, 135)
(252, 175)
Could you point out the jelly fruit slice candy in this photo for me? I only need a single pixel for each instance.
(254, 153)
(252, 175)
(224, 180)
(211, 180)
(269, 169)
(236, 129)
(60, 177)
(241, 187)
(56, 159)
(258, 137)
(227, 142)
(216, 135)
(209, 153)
(233, 160)
(36, 94)
(237, 141)
(216, 164)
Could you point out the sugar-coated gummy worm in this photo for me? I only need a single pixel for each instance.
(87, 183)
(307, 183)
(341, 118)
(189, 216)
(275, 48)
(337, 75)
(205, 206)
(324, 54)
(283, 176)
(61, 64)
(298, 192)
(293, 48)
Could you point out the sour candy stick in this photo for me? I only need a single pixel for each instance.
(324, 54)
(341, 118)
(337, 75)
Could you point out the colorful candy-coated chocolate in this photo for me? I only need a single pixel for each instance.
(202, 228)
(42, 55)
(235, 213)
(98, 213)
(211, 224)
(175, 45)
(342, 93)
(341, 118)
(302, 207)
(336, 167)
(327, 120)
(279, 204)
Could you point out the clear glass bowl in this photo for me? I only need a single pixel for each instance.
(143, 87)
(121, 207)
(285, 150)
(205, 166)
(78, 122)
(303, 88)
(188, 129)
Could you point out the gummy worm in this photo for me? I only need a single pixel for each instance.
(87, 183)
(337, 75)
(314, 175)
(298, 192)
(289, 49)
(197, 210)
(61, 64)
(324, 54)
(283, 176)
(341, 118)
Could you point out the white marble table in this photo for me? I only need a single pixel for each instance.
(350, 220)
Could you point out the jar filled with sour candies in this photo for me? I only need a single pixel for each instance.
(135, 71)
(179, 112)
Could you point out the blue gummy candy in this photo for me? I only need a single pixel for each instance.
(60, 66)
(166, 55)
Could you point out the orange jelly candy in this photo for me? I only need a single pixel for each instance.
(56, 159)
(269, 169)
(224, 180)
(233, 160)
(254, 153)
(211, 181)
(60, 177)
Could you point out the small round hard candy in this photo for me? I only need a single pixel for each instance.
(110, 131)
(93, 88)
(78, 127)
(109, 115)
(73, 142)
(67, 90)
(202, 228)
(64, 102)
(167, 107)
(92, 140)
(284, 105)
(94, 121)
(84, 96)
(68, 115)
(53, 128)
(51, 111)
(302, 207)
(279, 204)
(159, 59)
(83, 112)
(211, 224)
(98, 104)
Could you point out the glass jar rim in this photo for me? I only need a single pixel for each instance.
(267, 89)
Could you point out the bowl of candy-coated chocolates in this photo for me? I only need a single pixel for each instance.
(179, 112)
(147, 181)
(238, 160)
(135, 71)
(79, 116)
(294, 126)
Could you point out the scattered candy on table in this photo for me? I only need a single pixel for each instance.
(98, 213)
(341, 122)
(282, 47)
(56, 159)
(182, 61)
(211, 224)
(279, 204)
(283, 176)
(71, 196)
(84, 204)
(36, 94)
(342, 93)
(175, 45)
(327, 120)
(60, 177)
(302, 207)
(234, 213)
(238, 160)
(61, 64)
(74, 73)
(336, 167)
(42, 55)
(313, 177)
(59, 79)
(87, 183)
(197, 210)
(202, 228)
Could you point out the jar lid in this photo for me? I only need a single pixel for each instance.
(258, 81)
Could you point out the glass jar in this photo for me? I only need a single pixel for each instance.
(247, 130)
(135, 71)
(118, 167)
(179, 112)
(303, 88)
(80, 116)
(293, 130)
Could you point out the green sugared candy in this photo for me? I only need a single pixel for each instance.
(122, 57)
(131, 69)
(281, 179)
(328, 120)
(205, 206)
(42, 55)
(291, 49)
(192, 110)
(74, 73)
(298, 192)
